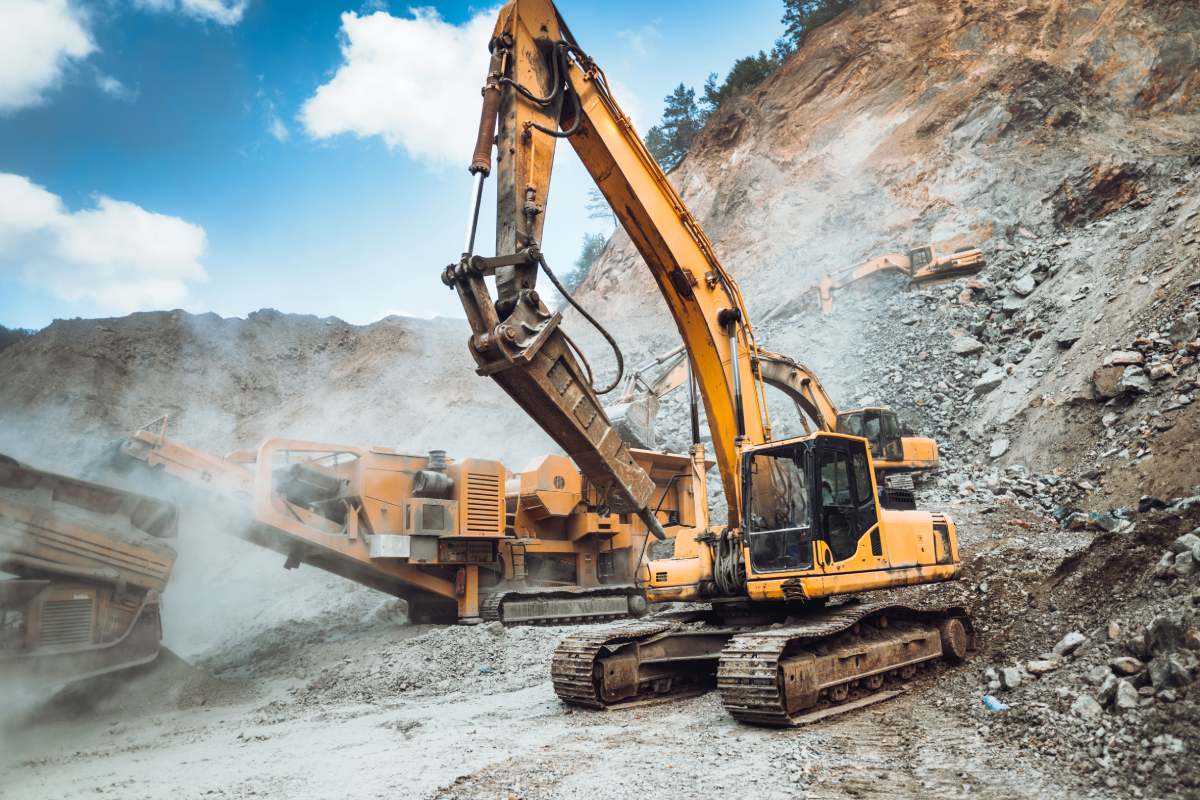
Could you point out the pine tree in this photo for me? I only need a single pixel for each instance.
(801, 17)
(669, 141)
(745, 74)
(11, 336)
(598, 208)
(593, 246)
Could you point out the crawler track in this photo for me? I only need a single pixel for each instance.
(562, 606)
(574, 663)
(835, 660)
(753, 681)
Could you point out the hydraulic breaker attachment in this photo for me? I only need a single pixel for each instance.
(532, 359)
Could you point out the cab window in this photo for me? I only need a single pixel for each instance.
(839, 516)
(779, 517)
(835, 479)
(868, 514)
(862, 478)
(852, 424)
(892, 447)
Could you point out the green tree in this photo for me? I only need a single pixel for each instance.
(745, 74)
(669, 140)
(593, 246)
(598, 208)
(801, 17)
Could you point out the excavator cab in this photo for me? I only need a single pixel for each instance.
(918, 258)
(809, 502)
(879, 426)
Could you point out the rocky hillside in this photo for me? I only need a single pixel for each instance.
(230, 383)
(1064, 140)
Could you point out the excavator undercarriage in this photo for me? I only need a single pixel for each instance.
(821, 662)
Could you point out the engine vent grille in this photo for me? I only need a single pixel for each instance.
(66, 622)
(484, 504)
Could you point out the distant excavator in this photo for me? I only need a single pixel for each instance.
(895, 450)
(88, 567)
(920, 265)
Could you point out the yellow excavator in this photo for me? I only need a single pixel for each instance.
(920, 265)
(805, 529)
(896, 452)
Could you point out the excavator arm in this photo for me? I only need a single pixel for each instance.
(643, 391)
(828, 284)
(920, 265)
(541, 87)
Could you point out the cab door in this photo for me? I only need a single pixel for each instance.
(848, 511)
(838, 512)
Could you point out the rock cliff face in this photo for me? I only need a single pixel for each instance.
(1061, 137)
(951, 122)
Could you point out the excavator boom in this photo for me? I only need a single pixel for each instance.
(543, 86)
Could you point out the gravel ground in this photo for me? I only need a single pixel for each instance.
(343, 702)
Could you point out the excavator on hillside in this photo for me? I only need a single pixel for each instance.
(458, 540)
(87, 566)
(919, 265)
(896, 452)
(805, 528)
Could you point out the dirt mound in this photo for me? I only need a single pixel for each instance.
(1120, 705)
(166, 684)
(438, 661)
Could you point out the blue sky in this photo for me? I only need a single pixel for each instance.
(219, 155)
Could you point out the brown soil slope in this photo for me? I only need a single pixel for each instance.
(931, 121)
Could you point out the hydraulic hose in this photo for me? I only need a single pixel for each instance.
(594, 323)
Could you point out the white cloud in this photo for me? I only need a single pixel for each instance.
(38, 40)
(275, 126)
(222, 12)
(114, 88)
(412, 81)
(110, 85)
(116, 256)
(643, 40)
(277, 129)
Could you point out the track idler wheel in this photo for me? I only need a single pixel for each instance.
(954, 639)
